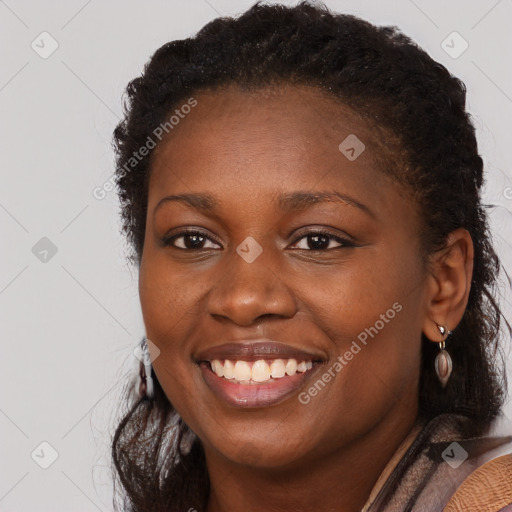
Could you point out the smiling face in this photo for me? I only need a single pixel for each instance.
(262, 171)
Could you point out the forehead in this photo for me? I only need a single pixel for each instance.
(265, 136)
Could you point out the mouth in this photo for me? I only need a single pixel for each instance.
(256, 374)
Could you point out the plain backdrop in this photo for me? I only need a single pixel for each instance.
(69, 309)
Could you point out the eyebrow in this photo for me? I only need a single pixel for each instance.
(298, 201)
(201, 202)
(303, 200)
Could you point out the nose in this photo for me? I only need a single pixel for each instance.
(247, 291)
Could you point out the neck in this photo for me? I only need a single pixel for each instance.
(340, 481)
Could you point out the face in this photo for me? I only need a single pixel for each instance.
(283, 236)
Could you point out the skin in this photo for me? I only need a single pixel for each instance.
(245, 149)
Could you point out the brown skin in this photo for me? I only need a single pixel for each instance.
(245, 148)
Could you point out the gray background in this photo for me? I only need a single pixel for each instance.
(70, 320)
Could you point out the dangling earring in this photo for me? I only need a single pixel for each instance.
(443, 363)
(146, 381)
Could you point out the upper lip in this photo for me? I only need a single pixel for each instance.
(252, 350)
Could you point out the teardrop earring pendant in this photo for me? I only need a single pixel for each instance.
(146, 381)
(443, 363)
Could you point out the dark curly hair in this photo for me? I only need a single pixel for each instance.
(416, 107)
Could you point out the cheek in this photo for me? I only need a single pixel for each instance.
(169, 298)
(370, 312)
(349, 299)
(172, 307)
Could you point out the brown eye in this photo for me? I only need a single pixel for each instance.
(189, 240)
(321, 241)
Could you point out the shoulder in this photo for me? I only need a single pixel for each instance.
(487, 489)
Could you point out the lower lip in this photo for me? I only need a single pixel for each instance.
(255, 395)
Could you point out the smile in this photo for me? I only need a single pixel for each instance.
(256, 373)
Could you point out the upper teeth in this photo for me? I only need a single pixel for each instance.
(260, 370)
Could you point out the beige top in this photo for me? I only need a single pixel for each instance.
(488, 489)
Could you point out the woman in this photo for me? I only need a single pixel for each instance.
(302, 193)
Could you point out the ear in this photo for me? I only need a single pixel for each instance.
(448, 284)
